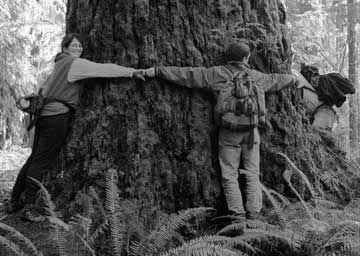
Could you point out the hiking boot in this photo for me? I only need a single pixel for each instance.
(29, 213)
(253, 216)
(11, 206)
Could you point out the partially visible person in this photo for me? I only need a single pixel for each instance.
(320, 93)
(240, 109)
(53, 125)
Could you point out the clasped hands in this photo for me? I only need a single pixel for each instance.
(144, 73)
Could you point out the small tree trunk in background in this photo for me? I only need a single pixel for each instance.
(160, 137)
(353, 103)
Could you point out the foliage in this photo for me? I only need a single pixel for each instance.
(30, 31)
(318, 31)
(191, 232)
(62, 233)
(317, 34)
(16, 242)
(158, 240)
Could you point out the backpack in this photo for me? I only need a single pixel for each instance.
(241, 104)
(332, 89)
(34, 103)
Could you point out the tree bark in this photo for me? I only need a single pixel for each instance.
(161, 138)
(353, 103)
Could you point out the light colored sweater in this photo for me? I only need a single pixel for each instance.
(62, 82)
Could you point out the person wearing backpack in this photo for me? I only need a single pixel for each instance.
(320, 93)
(53, 124)
(239, 110)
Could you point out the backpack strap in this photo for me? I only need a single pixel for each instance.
(33, 120)
(235, 72)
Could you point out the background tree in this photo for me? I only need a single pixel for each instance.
(319, 31)
(30, 31)
(354, 100)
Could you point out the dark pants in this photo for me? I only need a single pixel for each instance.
(50, 136)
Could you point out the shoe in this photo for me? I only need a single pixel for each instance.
(12, 206)
(253, 216)
(32, 215)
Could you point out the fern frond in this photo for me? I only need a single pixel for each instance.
(156, 241)
(278, 208)
(264, 236)
(282, 198)
(100, 231)
(58, 225)
(180, 219)
(326, 203)
(85, 244)
(80, 225)
(246, 224)
(94, 195)
(207, 245)
(60, 229)
(307, 210)
(30, 248)
(236, 242)
(287, 177)
(302, 175)
(58, 234)
(5, 243)
(346, 234)
(49, 206)
(111, 204)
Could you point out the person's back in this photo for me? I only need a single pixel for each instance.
(235, 145)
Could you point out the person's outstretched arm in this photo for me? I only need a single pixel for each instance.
(274, 82)
(82, 69)
(191, 77)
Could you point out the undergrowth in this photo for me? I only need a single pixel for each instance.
(288, 229)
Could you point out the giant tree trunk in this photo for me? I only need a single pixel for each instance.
(161, 138)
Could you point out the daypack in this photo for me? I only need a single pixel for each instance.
(34, 103)
(333, 87)
(241, 104)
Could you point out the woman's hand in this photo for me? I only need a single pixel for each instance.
(138, 74)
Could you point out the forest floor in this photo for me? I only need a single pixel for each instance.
(11, 161)
(328, 213)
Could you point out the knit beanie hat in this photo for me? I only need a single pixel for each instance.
(237, 51)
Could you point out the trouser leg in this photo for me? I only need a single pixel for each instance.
(251, 165)
(52, 137)
(229, 158)
(19, 186)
